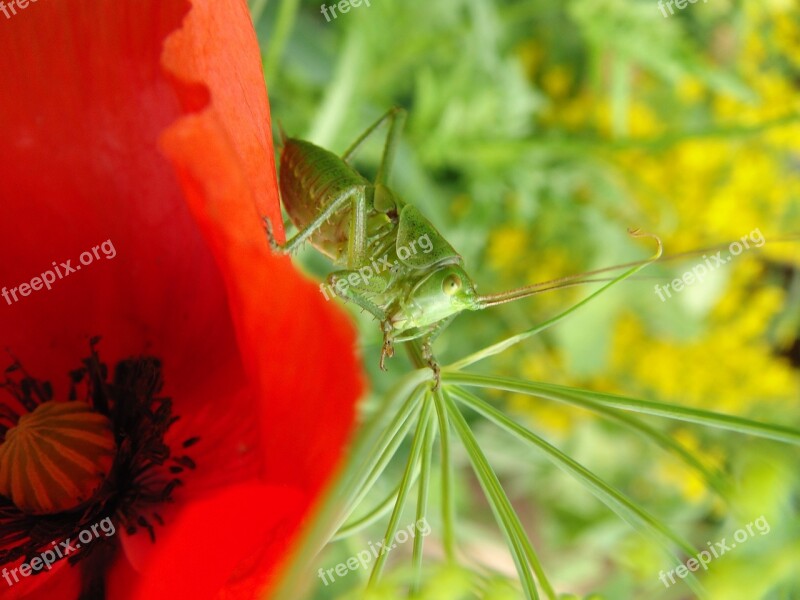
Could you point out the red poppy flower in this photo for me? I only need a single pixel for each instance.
(136, 163)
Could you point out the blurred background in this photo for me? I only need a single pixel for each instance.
(537, 133)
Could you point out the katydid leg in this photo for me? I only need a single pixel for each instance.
(427, 350)
(357, 239)
(355, 295)
(396, 117)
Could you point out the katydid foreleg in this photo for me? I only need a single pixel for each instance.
(427, 350)
(349, 292)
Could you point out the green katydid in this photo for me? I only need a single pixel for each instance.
(356, 222)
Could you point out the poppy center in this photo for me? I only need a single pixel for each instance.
(100, 453)
(56, 457)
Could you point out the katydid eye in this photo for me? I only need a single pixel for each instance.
(451, 284)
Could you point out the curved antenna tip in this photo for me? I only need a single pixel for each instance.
(638, 233)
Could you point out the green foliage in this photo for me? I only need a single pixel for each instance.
(538, 133)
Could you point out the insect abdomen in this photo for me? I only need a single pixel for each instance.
(310, 178)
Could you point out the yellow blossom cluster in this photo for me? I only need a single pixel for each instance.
(697, 187)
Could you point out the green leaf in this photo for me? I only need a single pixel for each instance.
(424, 423)
(422, 499)
(521, 549)
(649, 407)
(626, 508)
(448, 508)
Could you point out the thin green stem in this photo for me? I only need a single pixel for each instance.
(568, 144)
(713, 478)
(402, 496)
(649, 407)
(422, 500)
(287, 12)
(257, 9)
(521, 549)
(515, 339)
(626, 508)
(447, 475)
(340, 93)
(331, 513)
(373, 515)
(385, 449)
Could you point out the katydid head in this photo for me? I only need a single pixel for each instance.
(441, 293)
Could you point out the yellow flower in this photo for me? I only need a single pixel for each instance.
(506, 245)
(690, 90)
(556, 81)
(678, 474)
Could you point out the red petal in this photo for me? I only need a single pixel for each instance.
(228, 191)
(90, 100)
(61, 582)
(223, 546)
(241, 335)
(217, 45)
(170, 288)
